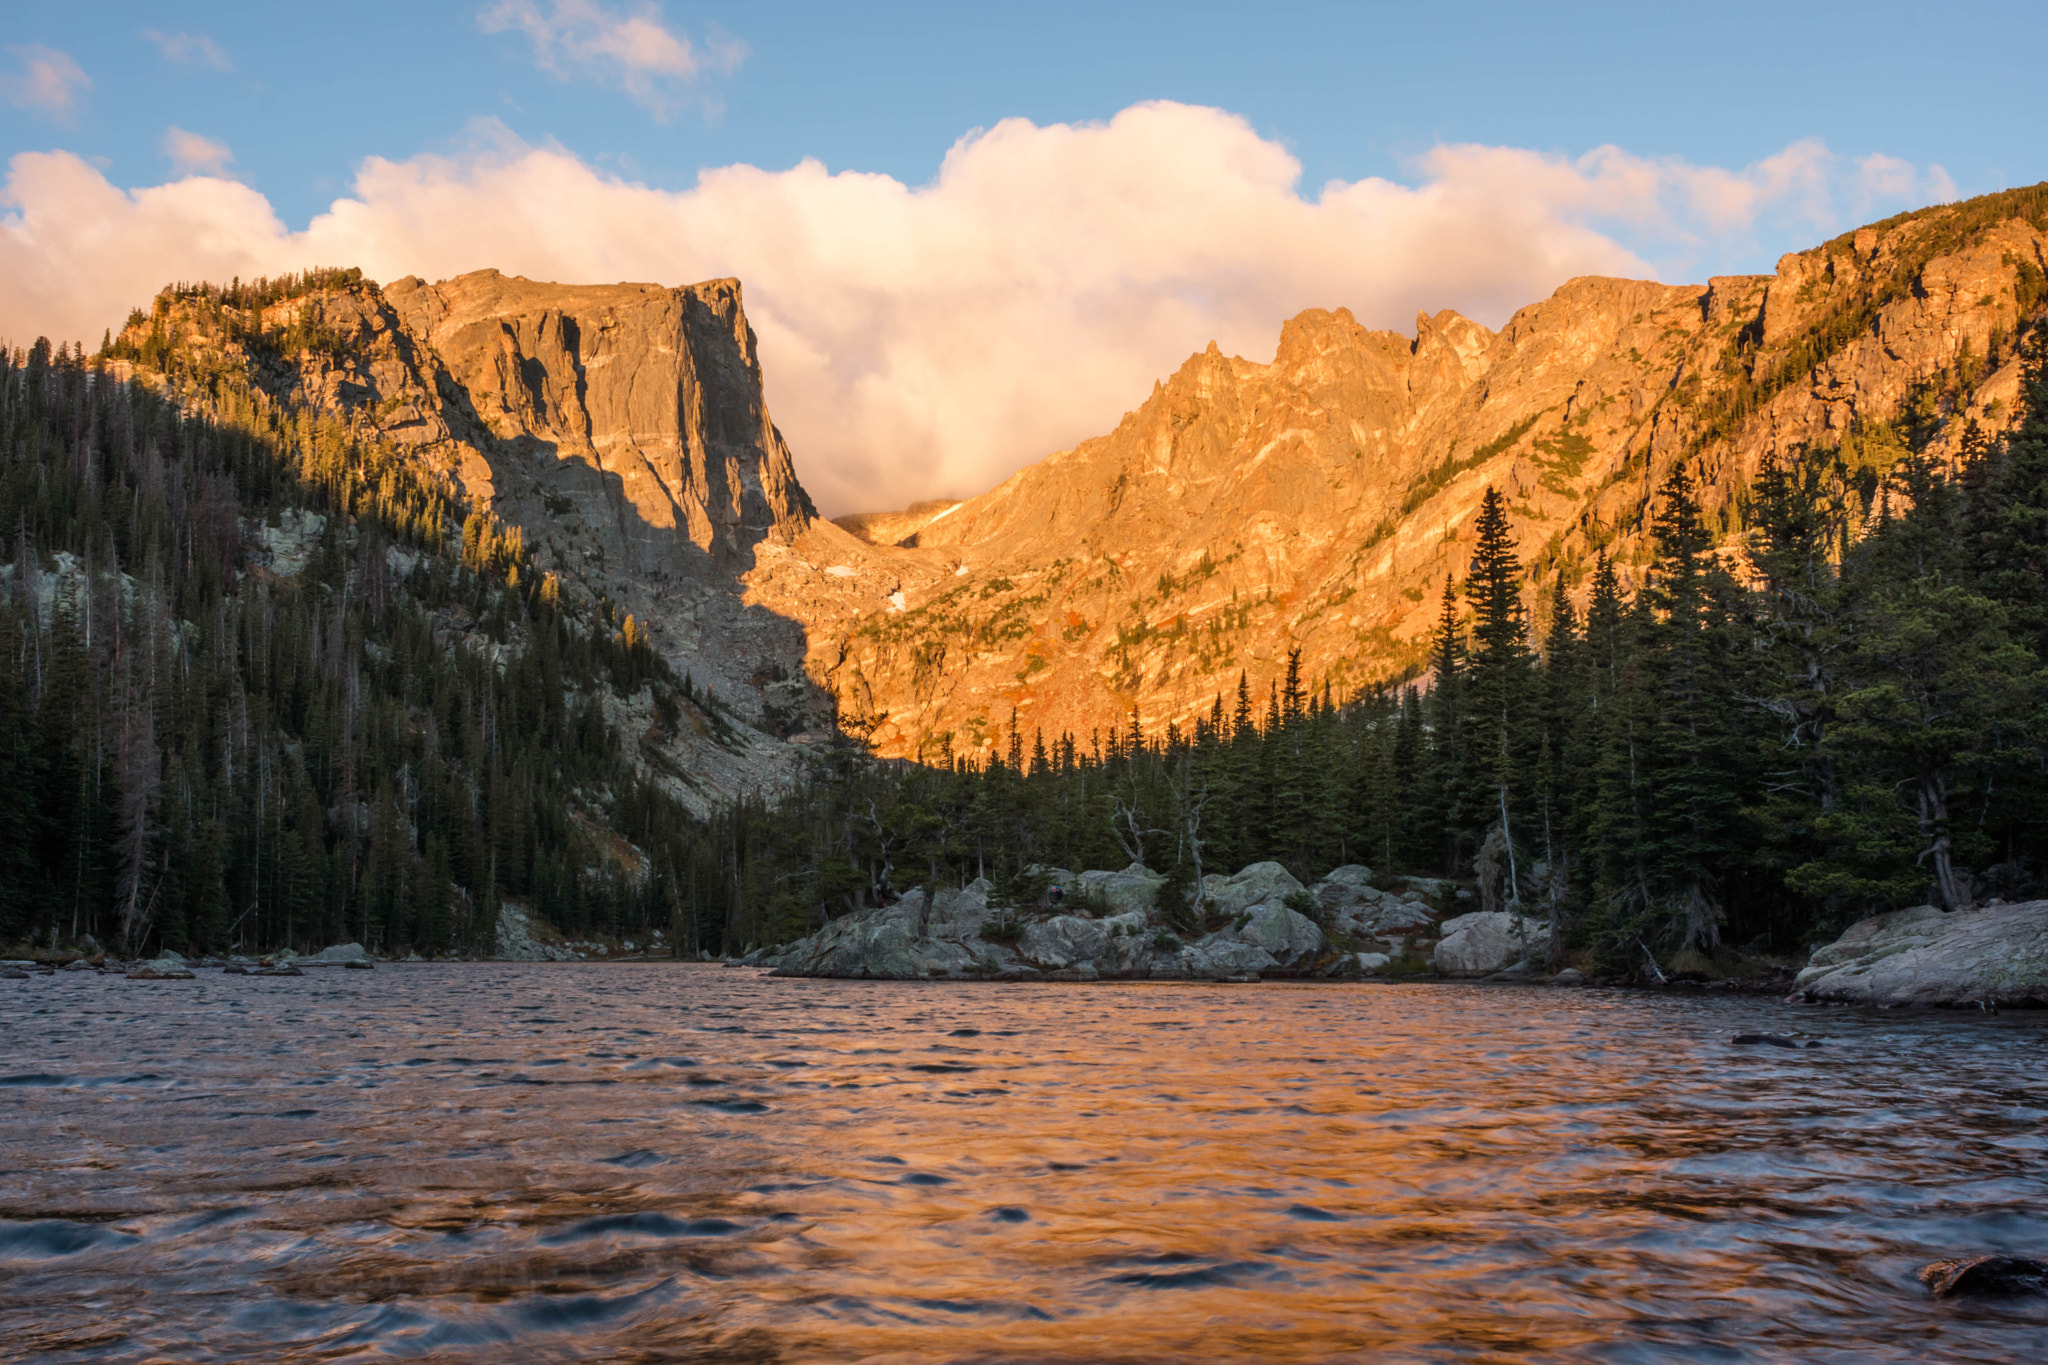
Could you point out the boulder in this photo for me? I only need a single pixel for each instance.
(885, 943)
(1392, 916)
(1131, 890)
(13, 974)
(959, 915)
(1259, 884)
(1292, 938)
(1221, 956)
(1070, 941)
(1488, 941)
(1997, 955)
(344, 953)
(1370, 963)
(1570, 976)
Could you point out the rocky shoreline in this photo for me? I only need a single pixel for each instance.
(1263, 924)
(1258, 924)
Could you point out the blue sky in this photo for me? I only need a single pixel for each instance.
(1354, 90)
(164, 140)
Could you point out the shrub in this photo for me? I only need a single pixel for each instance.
(1305, 904)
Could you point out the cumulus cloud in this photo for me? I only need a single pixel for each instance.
(1882, 179)
(635, 51)
(927, 340)
(49, 82)
(194, 154)
(195, 49)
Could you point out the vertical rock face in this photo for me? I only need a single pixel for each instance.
(644, 400)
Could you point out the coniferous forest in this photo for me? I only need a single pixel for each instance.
(1842, 709)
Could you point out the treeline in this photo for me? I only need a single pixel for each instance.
(201, 753)
(1848, 713)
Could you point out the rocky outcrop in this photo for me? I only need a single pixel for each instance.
(1131, 891)
(523, 939)
(957, 935)
(1489, 941)
(1318, 501)
(1258, 884)
(1996, 955)
(1290, 938)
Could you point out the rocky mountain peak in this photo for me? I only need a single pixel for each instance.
(1319, 502)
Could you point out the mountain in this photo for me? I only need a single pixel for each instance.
(620, 428)
(1320, 502)
(1242, 511)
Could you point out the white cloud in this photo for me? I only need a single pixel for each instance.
(194, 154)
(194, 48)
(49, 82)
(1882, 179)
(658, 67)
(930, 340)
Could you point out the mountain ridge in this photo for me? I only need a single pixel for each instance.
(1317, 502)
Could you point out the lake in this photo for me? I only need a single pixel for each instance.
(675, 1162)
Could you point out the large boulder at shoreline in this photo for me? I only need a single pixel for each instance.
(1292, 939)
(341, 953)
(1107, 945)
(1130, 891)
(884, 943)
(1259, 884)
(1996, 955)
(1488, 941)
(1221, 957)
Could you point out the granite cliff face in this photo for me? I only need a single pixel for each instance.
(621, 427)
(1319, 502)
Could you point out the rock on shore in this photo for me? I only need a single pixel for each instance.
(958, 935)
(1996, 955)
(1489, 941)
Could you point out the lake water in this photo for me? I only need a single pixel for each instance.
(681, 1163)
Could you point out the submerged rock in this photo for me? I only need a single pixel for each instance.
(1489, 941)
(347, 954)
(1987, 1277)
(1997, 955)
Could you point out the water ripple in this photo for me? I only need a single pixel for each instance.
(645, 1162)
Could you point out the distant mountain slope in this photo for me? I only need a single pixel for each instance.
(1320, 502)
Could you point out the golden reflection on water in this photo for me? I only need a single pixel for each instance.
(695, 1163)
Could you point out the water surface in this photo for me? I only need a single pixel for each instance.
(662, 1163)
